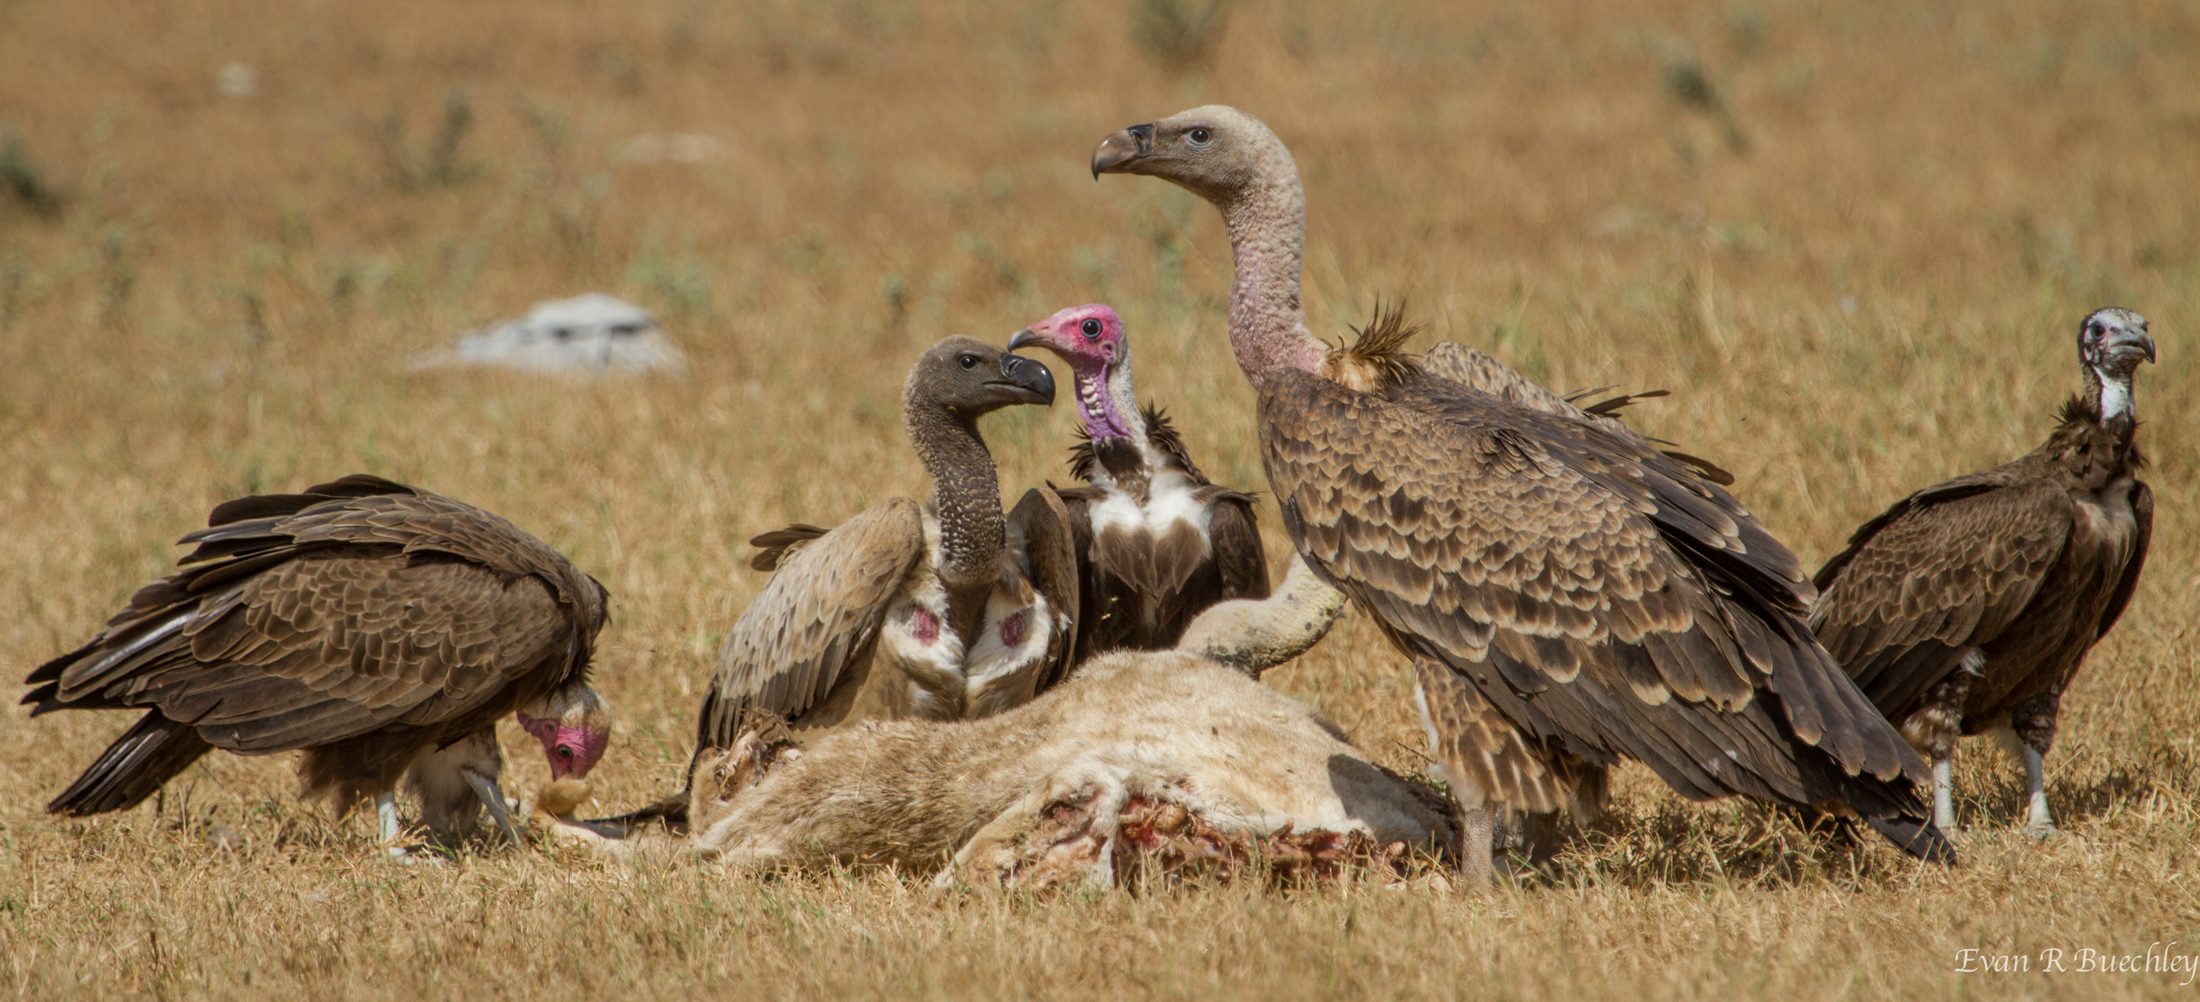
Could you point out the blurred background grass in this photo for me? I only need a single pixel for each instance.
(1853, 237)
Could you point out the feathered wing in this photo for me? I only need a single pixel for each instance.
(1477, 371)
(819, 613)
(1233, 539)
(1598, 595)
(308, 619)
(1039, 530)
(2142, 512)
(1945, 569)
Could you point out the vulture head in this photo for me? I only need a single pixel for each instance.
(967, 378)
(2111, 344)
(1217, 152)
(1090, 339)
(574, 726)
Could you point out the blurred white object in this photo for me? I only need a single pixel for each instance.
(237, 80)
(588, 334)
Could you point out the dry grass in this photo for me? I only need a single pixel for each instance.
(1855, 238)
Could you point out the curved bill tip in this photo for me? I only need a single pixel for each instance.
(1029, 376)
(1121, 147)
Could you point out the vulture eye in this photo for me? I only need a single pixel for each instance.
(970, 361)
(1199, 137)
(1091, 328)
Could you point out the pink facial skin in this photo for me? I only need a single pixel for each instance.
(1090, 339)
(572, 750)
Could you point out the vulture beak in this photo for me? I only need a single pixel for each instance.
(1028, 338)
(1030, 380)
(2137, 339)
(1122, 146)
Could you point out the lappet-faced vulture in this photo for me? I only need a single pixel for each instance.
(1157, 541)
(1969, 605)
(1570, 595)
(376, 627)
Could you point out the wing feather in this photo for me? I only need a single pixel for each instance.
(1946, 569)
(1598, 594)
(822, 607)
(1041, 522)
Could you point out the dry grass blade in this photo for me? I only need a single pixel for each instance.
(1881, 294)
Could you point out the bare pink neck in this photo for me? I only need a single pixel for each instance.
(1267, 227)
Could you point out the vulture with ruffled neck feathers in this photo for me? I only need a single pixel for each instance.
(1571, 596)
(1159, 542)
(378, 628)
(1968, 606)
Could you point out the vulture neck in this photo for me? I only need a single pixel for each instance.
(1120, 438)
(1266, 221)
(966, 495)
(2110, 394)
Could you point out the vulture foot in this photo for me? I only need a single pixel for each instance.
(385, 815)
(492, 798)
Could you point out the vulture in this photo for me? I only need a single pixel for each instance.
(378, 628)
(1571, 596)
(1157, 541)
(944, 610)
(1968, 606)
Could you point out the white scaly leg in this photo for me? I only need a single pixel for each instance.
(385, 812)
(492, 797)
(2038, 823)
(1944, 794)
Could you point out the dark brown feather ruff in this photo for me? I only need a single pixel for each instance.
(1161, 433)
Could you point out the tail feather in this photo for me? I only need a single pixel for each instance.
(671, 812)
(1916, 836)
(150, 753)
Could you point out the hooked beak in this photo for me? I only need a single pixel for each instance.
(1028, 338)
(1030, 380)
(1120, 148)
(2140, 340)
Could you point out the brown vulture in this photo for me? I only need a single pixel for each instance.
(1570, 595)
(1157, 541)
(378, 628)
(945, 610)
(1968, 606)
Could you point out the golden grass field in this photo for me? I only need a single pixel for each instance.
(1854, 238)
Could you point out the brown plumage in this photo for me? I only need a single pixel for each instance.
(1157, 542)
(946, 610)
(365, 622)
(1969, 606)
(1571, 596)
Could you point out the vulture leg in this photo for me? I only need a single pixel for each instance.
(2038, 822)
(2033, 727)
(492, 797)
(1478, 843)
(385, 812)
(2027, 736)
(1944, 791)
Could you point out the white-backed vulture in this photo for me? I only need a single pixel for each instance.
(376, 627)
(944, 610)
(1968, 606)
(1157, 542)
(1571, 596)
